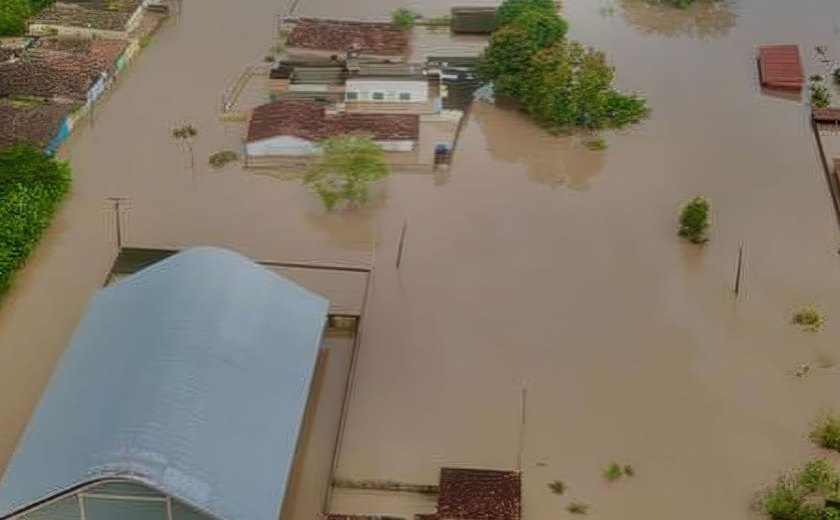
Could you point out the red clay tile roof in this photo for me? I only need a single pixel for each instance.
(95, 14)
(376, 39)
(780, 67)
(58, 70)
(479, 494)
(36, 124)
(307, 120)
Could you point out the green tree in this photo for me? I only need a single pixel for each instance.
(513, 46)
(559, 83)
(186, 135)
(511, 9)
(350, 163)
(13, 15)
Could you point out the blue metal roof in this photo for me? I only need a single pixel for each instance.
(192, 377)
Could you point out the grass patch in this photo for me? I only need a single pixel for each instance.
(221, 158)
(808, 318)
(837, 75)
(820, 96)
(826, 431)
(578, 508)
(596, 144)
(144, 41)
(32, 187)
(443, 20)
(558, 487)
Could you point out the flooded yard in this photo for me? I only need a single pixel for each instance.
(533, 263)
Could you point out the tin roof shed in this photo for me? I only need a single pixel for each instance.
(189, 379)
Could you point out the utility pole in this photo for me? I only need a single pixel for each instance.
(739, 269)
(402, 244)
(523, 394)
(118, 204)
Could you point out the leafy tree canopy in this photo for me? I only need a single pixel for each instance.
(350, 163)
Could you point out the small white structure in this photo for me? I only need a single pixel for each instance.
(294, 128)
(390, 90)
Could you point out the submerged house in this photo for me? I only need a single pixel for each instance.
(340, 39)
(34, 123)
(70, 71)
(185, 394)
(294, 128)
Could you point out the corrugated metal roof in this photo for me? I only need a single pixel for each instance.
(192, 377)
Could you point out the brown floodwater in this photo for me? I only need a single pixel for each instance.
(532, 262)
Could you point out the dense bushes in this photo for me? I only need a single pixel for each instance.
(801, 495)
(31, 189)
(560, 83)
(14, 14)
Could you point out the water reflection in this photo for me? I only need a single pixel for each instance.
(703, 19)
(553, 161)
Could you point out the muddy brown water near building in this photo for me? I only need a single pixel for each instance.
(533, 261)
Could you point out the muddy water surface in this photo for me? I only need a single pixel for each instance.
(532, 263)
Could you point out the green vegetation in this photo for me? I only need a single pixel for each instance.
(350, 163)
(145, 40)
(809, 318)
(32, 187)
(221, 158)
(613, 471)
(820, 95)
(560, 83)
(13, 16)
(826, 431)
(837, 76)
(578, 508)
(801, 495)
(558, 487)
(403, 17)
(694, 220)
(596, 144)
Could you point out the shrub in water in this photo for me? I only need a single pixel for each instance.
(826, 431)
(809, 318)
(820, 96)
(403, 17)
(694, 220)
(613, 471)
(578, 508)
(557, 487)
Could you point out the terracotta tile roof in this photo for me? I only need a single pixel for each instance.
(376, 39)
(36, 124)
(58, 70)
(307, 120)
(780, 67)
(479, 494)
(95, 14)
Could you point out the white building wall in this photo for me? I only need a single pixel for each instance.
(365, 90)
(280, 145)
(293, 146)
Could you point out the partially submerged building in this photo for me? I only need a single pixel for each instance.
(190, 391)
(35, 123)
(70, 71)
(294, 128)
(89, 18)
(340, 39)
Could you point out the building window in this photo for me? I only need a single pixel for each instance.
(405, 96)
(379, 96)
(352, 96)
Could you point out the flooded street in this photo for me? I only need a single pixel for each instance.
(533, 263)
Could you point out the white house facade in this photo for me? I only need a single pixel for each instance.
(366, 90)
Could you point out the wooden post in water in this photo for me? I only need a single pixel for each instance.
(523, 394)
(118, 204)
(739, 269)
(402, 244)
